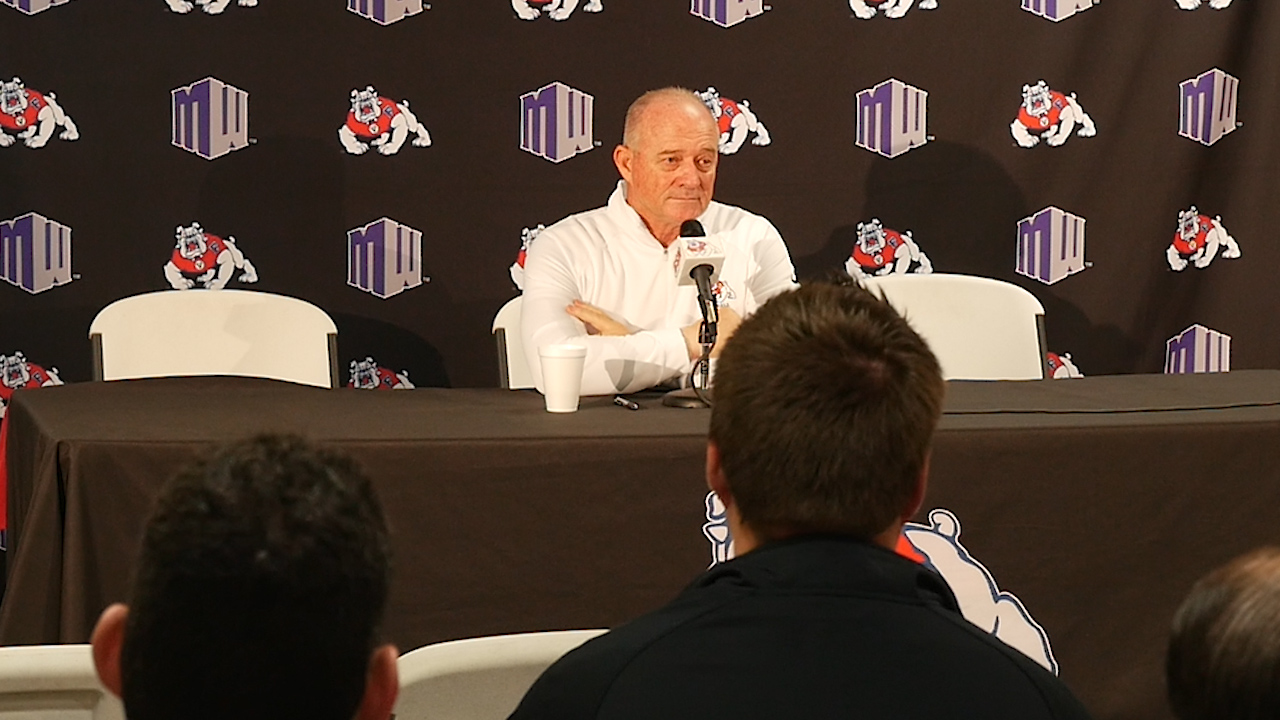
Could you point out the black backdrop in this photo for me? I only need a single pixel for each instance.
(290, 197)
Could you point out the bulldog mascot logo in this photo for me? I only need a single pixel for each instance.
(212, 7)
(31, 116)
(1193, 4)
(367, 374)
(1199, 240)
(16, 374)
(527, 236)
(204, 260)
(736, 121)
(881, 251)
(1061, 366)
(555, 9)
(1050, 116)
(867, 9)
(376, 121)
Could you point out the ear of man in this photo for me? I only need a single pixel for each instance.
(622, 158)
(106, 643)
(381, 685)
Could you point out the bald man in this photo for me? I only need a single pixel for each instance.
(605, 278)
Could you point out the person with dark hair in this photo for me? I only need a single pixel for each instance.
(825, 407)
(1224, 649)
(259, 593)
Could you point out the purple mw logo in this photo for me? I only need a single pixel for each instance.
(210, 118)
(1208, 106)
(556, 122)
(1197, 350)
(31, 7)
(726, 13)
(384, 258)
(385, 12)
(1050, 245)
(1056, 10)
(35, 252)
(891, 118)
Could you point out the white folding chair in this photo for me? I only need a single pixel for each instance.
(53, 682)
(980, 328)
(215, 332)
(513, 369)
(479, 678)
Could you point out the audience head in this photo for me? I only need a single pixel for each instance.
(1224, 650)
(259, 593)
(825, 406)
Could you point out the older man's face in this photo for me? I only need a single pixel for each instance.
(671, 170)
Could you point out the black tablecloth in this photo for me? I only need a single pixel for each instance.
(1096, 501)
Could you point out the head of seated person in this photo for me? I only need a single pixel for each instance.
(1223, 661)
(826, 403)
(259, 593)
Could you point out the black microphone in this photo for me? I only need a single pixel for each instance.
(700, 260)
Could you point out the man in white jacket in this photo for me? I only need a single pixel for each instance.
(605, 278)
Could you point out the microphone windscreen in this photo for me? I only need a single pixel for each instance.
(692, 228)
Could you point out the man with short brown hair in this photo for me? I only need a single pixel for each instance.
(825, 406)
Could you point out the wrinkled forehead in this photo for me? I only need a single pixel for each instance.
(676, 124)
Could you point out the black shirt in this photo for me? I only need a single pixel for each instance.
(815, 627)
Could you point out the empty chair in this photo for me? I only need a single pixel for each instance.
(980, 328)
(53, 682)
(479, 678)
(215, 332)
(513, 368)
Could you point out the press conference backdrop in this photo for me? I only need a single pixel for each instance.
(388, 160)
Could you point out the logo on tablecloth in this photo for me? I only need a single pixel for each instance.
(1057, 10)
(1050, 245)
(202, 260)
(1050, 116)
(31, 7)
(937, 546)
(881, 251)
(892, 118)
(557, 122)
(1198, 240)
(378, 122)
(210, 118)
(736, 121)
(384, 258)
(385, 12)
(35, 253)
(982, 602)
(867, 9)
(16, 373)
(727, 13)
(554, 9)
(1208, 107)
(1197, 350)
(31, 116)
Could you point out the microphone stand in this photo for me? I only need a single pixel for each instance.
(699, 393)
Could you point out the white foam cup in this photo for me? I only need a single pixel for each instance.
(562, 376)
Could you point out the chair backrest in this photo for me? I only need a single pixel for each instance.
(513, 368)
(980, 328)
(53, 682)
(215, 332)
(479, 678)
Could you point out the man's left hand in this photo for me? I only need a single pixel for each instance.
(598, 322)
